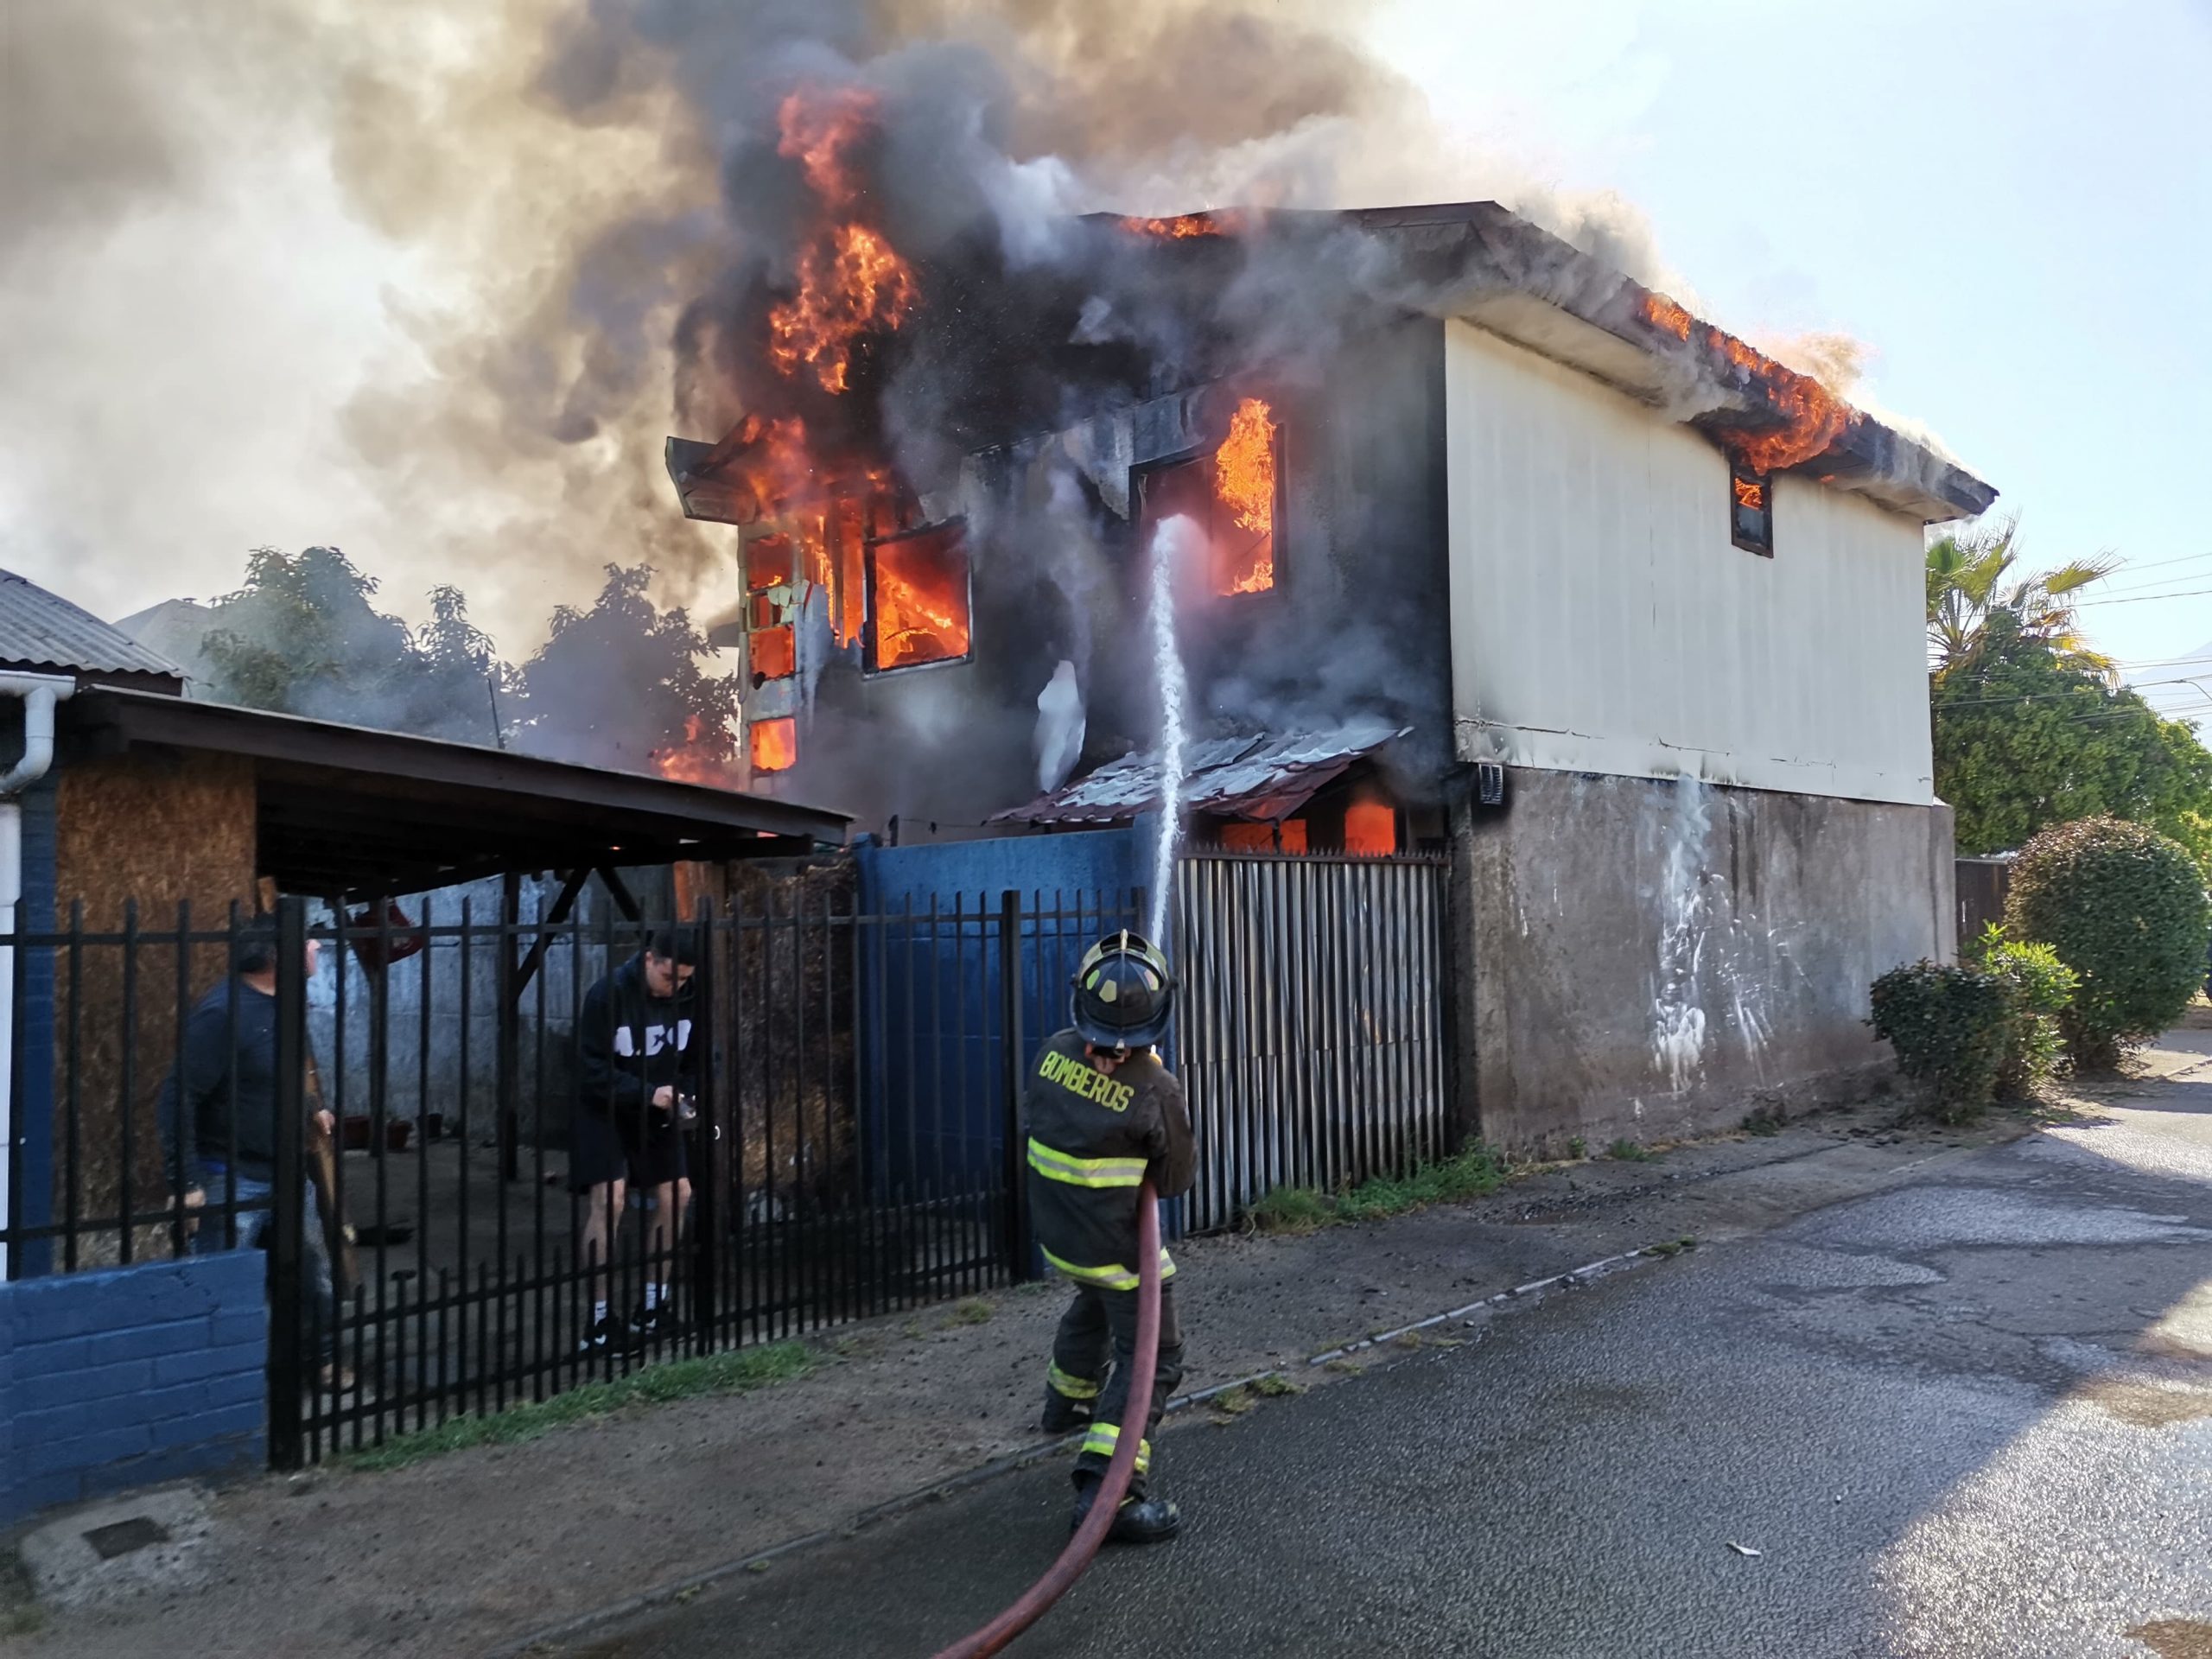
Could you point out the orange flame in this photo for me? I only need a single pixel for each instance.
(1749, 492)
(1813, 417)
(921, 600)
(1370, 829)
(1181, 225)
(819, 131)
(849, 285)
(774, 744)
(1244, 480)
(703, 757)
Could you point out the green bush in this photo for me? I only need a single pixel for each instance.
(2040, 989)
(2125, 908)
(1951, 1027)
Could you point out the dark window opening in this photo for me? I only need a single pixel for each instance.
(919, 602)
(1751, 510)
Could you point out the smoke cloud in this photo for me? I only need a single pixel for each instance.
(433, 281)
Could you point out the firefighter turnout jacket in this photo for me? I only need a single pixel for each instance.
(1092, 1140)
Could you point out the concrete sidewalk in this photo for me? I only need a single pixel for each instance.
(478, 1549)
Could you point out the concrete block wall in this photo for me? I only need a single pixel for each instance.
(131, 1375)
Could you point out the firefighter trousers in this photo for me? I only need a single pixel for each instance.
(1100, 1325)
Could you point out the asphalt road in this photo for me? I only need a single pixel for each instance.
(1968, 1416)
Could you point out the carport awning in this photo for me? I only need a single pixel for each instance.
(346, 812)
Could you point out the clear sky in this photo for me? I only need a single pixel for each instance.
(2009, 201)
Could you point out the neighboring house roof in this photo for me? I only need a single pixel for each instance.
(42, 632)
(1263, 779)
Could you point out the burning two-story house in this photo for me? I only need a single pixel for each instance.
(1487, 550)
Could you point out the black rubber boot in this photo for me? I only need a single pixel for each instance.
(1064, 1415)
(1141, 1521)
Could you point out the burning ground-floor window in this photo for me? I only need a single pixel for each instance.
(1234, 496)
(1751, 510)
(919, 598)
(773, 744)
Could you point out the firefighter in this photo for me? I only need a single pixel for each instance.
(1102, 1113)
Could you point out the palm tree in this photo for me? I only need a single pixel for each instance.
(1967, 585)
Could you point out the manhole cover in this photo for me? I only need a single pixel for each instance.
(125, 1536)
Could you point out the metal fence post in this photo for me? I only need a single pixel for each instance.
(288, 1362)
(709, 1032)
(1015, 1056)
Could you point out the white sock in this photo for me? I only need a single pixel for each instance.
(652, 1297)
(599, 1312)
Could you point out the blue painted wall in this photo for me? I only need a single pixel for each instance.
(932, 996)
(129, 1376)
(34, 1099)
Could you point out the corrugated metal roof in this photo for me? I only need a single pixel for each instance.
(1264, 779)
(40, 630)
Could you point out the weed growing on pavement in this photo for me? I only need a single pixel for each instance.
(973, 1311)
(1628, 1152)
(680, 1379)
(913, 1331)
(1234, 1402)
(20, 1613)
(1275, 1385)
(1469, 1174)
(1577, 1147)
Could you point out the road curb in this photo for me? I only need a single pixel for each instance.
(1013, 1462)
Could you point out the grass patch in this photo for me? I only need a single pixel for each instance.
(1469, 1174)
(680, 1379)
(1577, 1147)
(20, 1613)
(1344, 1366)
(973, 1311)
(1672, 1245)
(1235, 1402)
(1275, 1386)
(1628, 1152)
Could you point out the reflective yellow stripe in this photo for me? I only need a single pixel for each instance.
(1116, 1277)
(1104, 1437)
(1086, 1172)
(1074, 1388)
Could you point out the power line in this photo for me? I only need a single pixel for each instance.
(2138, 597)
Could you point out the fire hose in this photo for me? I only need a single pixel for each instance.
(1037, 1599)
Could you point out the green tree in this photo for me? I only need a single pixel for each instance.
(301, 636)
(1968, 589)
(2027, 737)
(621, 683)
(2125, 908)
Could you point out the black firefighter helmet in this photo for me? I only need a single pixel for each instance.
(1124, 995)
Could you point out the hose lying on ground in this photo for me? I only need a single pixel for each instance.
(1039, 1596)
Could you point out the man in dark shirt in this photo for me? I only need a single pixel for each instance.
(218, 1114)
(639, 1057)
(1103, 1114)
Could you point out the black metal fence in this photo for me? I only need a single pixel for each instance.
(852, 1077)
(855, 1075)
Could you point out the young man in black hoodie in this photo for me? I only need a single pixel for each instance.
(639, 1045)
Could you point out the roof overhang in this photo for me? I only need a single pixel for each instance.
(1259, 779)
(343, 811)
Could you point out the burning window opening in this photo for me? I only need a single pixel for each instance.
(703, 757)
(1174, 229)
(767, 562)
(774, 744)
(1370, 829)
(773, 653)
(919, 598)
(1288, 837)
(1234, 496)
(1751, 510)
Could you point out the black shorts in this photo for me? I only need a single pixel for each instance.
(600, 1151)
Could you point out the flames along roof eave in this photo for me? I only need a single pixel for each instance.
(1479, 262)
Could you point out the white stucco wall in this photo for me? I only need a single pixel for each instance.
(1603, 622)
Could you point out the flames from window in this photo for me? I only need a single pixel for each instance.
(1811, 417)
(1750, 494)
(1244, 482)
(918, 605)
(774, 744)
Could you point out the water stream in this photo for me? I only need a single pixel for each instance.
(1169, 543)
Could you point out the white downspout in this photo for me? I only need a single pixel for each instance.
(39, 692)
